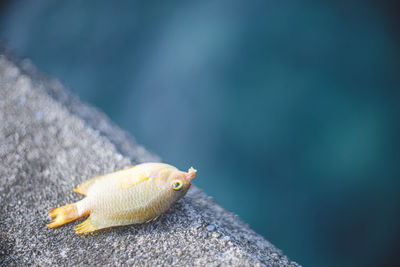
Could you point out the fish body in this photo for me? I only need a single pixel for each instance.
(134, 195)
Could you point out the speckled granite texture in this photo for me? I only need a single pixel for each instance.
(50, 142)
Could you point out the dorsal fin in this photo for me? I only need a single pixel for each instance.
(84, 187)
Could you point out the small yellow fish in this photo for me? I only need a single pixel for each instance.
(134, 195)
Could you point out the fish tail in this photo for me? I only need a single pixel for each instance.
(63, 215)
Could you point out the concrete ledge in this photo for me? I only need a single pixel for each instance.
(49, 142)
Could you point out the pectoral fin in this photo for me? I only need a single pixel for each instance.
(131, 180)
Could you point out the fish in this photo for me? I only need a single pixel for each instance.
(134, 195)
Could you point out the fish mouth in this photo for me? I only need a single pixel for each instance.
(190, 174)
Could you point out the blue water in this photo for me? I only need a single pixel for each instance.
(288, 110)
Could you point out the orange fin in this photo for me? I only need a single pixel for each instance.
(131, 180)
(85, 227)
(63, 215)
(85, 186)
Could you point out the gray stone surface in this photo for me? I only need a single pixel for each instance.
(50, 142)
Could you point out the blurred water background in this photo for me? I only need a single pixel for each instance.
(289, 109)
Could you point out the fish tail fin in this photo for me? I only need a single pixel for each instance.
(63, 215)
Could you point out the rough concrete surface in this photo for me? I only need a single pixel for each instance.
(50, 142)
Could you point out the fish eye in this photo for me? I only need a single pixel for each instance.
(176, 185)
